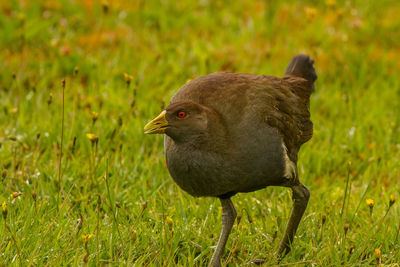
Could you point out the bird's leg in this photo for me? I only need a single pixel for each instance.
(228, 218)
(300, 197)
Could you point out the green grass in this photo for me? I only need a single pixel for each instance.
(119, 189)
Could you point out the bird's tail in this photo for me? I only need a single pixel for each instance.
(302, 66)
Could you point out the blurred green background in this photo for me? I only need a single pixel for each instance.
(113, 202)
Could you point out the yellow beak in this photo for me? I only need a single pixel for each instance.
(157, 125)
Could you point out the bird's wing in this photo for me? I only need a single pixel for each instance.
(283, 103)
(287, 110)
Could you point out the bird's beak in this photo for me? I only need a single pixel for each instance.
(157, 125)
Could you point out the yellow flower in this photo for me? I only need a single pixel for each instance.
(169, 220)
(15, 194)
(128, 78)
(105, 6)
(392, 199)
(370, 202)
(4, 210)
(330, 3)
(95, 116)
(93, 138)
(377, 253)
(311, 12)
(346, 227)
(85, 238)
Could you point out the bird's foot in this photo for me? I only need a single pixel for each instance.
(258, 261)
(276, 259)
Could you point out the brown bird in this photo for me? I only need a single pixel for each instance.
(227, 133)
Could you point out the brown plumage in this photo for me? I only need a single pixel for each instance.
(228, 133)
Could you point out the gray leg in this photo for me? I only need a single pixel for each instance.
(228, 218)
(300, 196)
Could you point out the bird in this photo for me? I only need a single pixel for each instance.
(227, 133)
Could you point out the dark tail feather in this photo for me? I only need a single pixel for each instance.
(302, 66)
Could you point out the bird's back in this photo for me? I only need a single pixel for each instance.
(282, 103)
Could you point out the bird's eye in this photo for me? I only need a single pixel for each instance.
(181, 114)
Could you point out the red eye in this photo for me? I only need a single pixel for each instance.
(181, 114)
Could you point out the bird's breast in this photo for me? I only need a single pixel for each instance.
(198, 172)
(255, 161)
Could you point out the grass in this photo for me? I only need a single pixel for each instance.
(108, 198)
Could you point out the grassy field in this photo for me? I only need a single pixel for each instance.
(95, 190)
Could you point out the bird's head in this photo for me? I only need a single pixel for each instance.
(181, 121)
